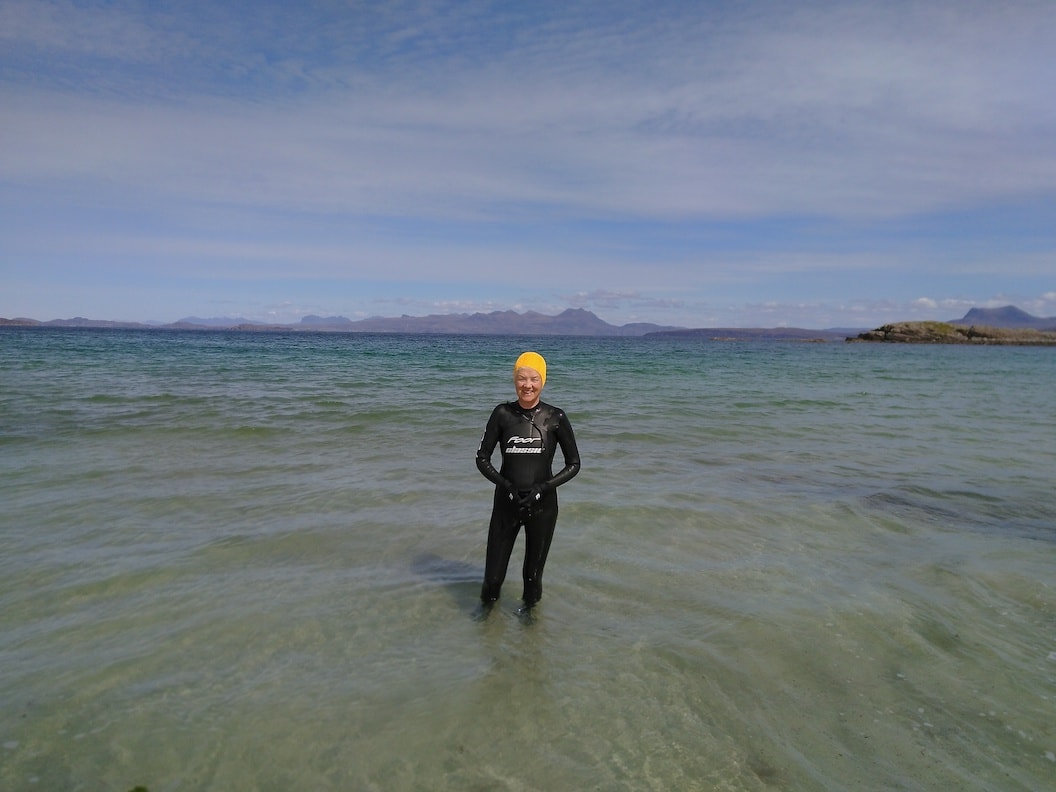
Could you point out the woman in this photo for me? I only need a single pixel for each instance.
(528, 432)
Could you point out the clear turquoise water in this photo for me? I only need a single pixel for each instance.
(250, 562)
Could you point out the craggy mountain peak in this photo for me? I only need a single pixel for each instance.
(1008, 316)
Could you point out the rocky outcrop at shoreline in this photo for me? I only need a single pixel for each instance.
(946, 333)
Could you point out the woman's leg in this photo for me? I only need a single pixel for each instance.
(502, 534)
(538, 534)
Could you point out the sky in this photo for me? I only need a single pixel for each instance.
(700, 164)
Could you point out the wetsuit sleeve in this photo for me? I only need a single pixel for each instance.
(566, 438)
(490, 439)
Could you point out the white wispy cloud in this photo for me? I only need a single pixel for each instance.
(860, 113)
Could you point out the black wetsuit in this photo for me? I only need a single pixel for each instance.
(525, 489)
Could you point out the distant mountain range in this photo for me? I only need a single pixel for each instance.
(572, 322)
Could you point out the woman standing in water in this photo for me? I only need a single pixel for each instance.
(528, 432)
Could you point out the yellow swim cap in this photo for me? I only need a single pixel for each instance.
(532, 360)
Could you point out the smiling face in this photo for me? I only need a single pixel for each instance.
(529, 386)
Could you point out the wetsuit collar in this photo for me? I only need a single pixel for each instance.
(527, 412)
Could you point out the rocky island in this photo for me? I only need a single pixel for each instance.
(949, 333)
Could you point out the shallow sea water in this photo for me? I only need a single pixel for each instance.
(251, 562)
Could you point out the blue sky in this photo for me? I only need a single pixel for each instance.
(806, 164)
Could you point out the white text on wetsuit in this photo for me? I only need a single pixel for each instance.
(523, 445)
